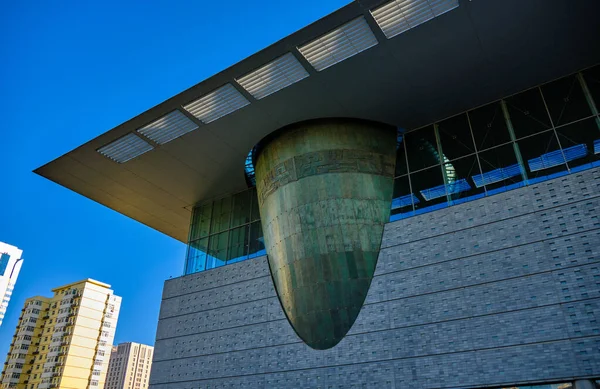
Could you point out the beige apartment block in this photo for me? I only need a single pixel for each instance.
(63, 341)
(129, 366)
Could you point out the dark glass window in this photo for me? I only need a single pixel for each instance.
(566, 101)
(254, 214)
(217, 250)
(402, 201)
(196, 256)
(500, 170)
(459, 184)
(455, 136)
(489, 126)
(400, 156)
(221, 215)
(528, 113)
(428, 187)
(580, 142)
(238, 244)
(422, 149)
(200, 226)
(542, 156)
(257, 242)
(592, 79)
(241, 209)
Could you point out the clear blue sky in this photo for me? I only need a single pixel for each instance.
(70, 71)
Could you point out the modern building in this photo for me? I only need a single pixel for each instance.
(129, 366)
(401, 194)
(63, 341)
(10, 266)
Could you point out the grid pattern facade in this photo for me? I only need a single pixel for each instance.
(499, 292)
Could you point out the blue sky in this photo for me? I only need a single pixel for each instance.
(70, 71)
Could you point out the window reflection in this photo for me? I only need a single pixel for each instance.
(500, 170)
(581, 141)
(566, 101)
(428, 187)
(201, 221)
(542, 156)
(489, 126)
(455, 136)
(459, 180)
(422, 149)
(592, 80)
(528, 113)
(402, 200)
(221, 215)
(400, 156)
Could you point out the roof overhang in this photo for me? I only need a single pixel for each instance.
(476, 53)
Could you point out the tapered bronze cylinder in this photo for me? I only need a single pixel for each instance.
(325, 190)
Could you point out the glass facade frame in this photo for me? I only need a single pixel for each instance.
(224, 231)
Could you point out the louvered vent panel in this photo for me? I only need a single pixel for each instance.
(339, 44)
(274, 76)
(217, 104)
(168, 127)
(397, 16)
(125, 148)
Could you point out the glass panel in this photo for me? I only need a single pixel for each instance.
(455, 136)
(255, 214)
(489, 126)
(592, 79)
(400, 156)
(422, 149)
(528, 113)
(402, 202)
(581, 143)
(460, 185)
(566, 101)
(238, 244)
(221, 215)
(241, 209)
(257, 242)
(200, 226)
(217, 250)
(500, 170)
(196, 256)
(428, 187)
(542, 157)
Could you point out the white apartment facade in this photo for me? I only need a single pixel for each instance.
(10, 266)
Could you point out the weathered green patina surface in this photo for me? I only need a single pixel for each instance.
(325, 190)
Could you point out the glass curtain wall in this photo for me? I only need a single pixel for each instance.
(534, 135)
(225, 231)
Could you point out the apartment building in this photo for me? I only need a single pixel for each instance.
(129, 366)
(63, 341)
(10, 266)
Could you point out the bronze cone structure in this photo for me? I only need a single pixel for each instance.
(324, 191)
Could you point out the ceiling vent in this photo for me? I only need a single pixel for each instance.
(168, 127)
(339, 44)
(125, 148)
(276, 75)
(216, 104)
(398, 16)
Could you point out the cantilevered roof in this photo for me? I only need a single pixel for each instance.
(401, 62)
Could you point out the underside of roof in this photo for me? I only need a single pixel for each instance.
(402, 62)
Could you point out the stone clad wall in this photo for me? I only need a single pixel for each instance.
(498, 291)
